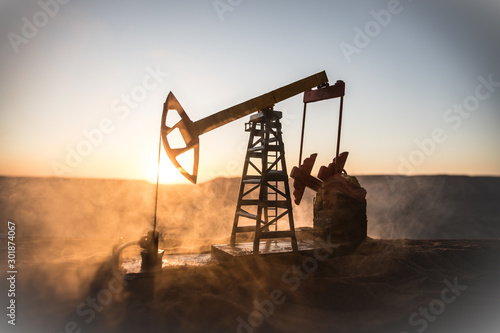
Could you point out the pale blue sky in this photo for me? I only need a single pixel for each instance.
(70, 75)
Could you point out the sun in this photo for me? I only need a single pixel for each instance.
(168, 172)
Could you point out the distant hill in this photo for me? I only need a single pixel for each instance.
(426, 207)
(419, 207)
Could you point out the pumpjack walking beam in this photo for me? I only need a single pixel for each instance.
(190, 131)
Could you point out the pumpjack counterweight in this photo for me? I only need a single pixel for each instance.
(264, 200)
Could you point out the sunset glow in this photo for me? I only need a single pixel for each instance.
(168, 172)
(83, 96)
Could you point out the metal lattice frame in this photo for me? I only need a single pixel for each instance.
(264, 196)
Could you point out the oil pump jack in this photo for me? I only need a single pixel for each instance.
(264, 199)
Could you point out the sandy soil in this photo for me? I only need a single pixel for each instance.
(383, 286)
(67, 227)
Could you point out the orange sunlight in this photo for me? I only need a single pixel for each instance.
(168, 172)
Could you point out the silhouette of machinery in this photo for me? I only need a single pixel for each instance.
(264, 204)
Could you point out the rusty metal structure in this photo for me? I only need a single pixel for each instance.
(339, 208)
(301, 174)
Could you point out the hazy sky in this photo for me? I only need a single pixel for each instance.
(83, 82)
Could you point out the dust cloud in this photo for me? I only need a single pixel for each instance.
(66, 229)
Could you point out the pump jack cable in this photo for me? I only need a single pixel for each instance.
(157, 181)
(302, 134)
(340, 127)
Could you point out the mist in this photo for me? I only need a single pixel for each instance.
(66, 229)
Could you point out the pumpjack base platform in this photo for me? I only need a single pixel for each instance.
(267, 247)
